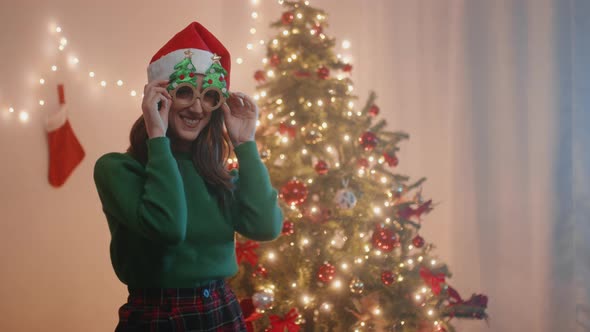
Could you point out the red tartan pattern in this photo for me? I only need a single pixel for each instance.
(212, 308)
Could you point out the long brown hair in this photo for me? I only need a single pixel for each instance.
(210, 150)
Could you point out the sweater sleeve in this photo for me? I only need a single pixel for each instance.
(150, 200)
(256, 212)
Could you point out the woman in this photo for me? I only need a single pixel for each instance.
(171, 205)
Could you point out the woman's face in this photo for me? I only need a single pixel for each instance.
(187, 122)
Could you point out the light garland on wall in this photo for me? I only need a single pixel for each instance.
(72, 61)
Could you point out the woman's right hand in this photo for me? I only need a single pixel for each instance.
(156, 122)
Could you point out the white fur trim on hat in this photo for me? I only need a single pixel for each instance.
(162, 68)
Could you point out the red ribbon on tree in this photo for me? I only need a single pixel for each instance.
(245, 251)
(435, 281)
(250, 313)
(287, 129)
(408, 212)
(278, 324)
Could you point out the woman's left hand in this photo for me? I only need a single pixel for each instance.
(240, 114)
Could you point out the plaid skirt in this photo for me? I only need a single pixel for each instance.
(213, 307)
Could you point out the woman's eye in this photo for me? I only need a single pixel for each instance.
(184, 93)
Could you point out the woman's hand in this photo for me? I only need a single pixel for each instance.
(156, 122)
(240, 114)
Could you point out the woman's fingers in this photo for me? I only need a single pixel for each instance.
(162, 91)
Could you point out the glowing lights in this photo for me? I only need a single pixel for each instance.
(23, 116)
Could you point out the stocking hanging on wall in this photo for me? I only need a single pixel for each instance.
(65, 151)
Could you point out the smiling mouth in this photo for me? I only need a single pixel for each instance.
(191, 123)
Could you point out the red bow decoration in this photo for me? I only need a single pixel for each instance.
(286, 129)
(408, 212)
(278, 324)
(432, 280)
(245, 251)
(250, 313)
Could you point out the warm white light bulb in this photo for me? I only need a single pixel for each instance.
(91, 74)
(58, 29)
(254, 15)
(23, 116)
(239, 61)
(103, 83)
(54, 68)
(41, 81)
(133, 93)
(41, 102)
(345, 44)
(252, 30)
(120, 83)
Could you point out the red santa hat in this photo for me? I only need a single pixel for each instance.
(203, 46)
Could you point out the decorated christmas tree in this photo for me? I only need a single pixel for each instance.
(350, 257)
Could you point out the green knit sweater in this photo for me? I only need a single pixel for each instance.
(167, 229)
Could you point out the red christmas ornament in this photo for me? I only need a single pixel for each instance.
(288, 228)
(294, 192)
(326, 272)
(275, 60)
(321, 167)
(391, 160)
(317, 29)
(363, 163)
(368, 141)
(347, 68)
(385, 239)
(260, 272)
(210, 81)
(191, 74)
(374, 110)
(418, 241)
(287, 18)
(387, 277)
(323, 72)
(260, 76)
